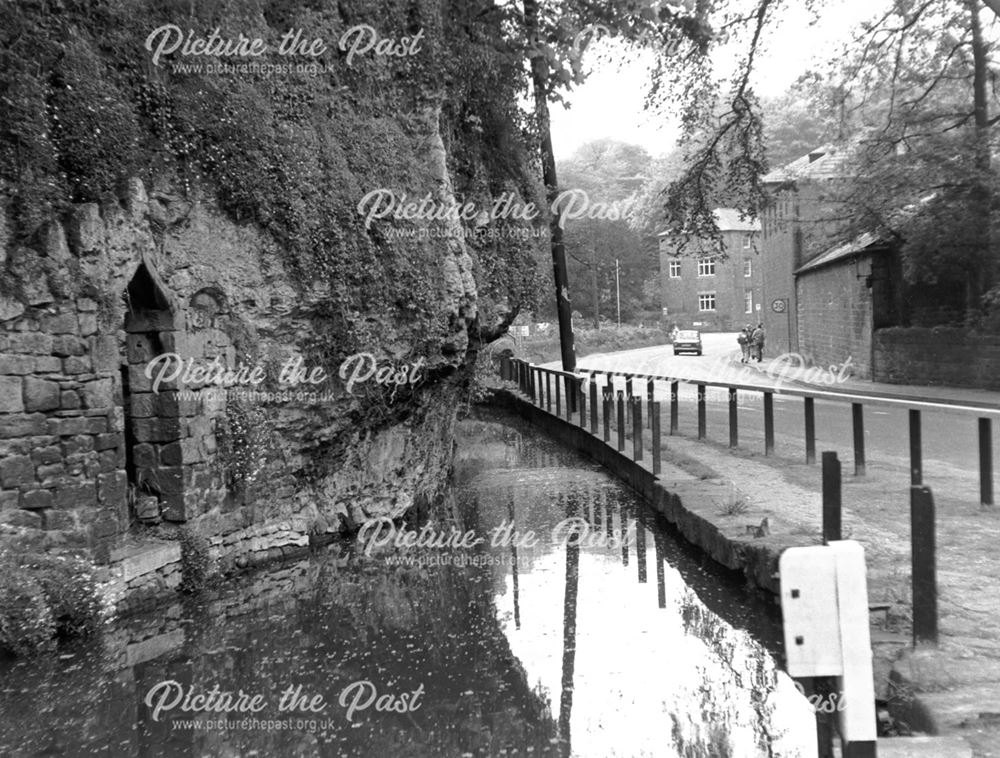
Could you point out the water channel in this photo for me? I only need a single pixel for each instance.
(576, 625)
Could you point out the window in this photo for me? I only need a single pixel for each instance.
(748, 301)
(674, 269)
(706, 301)
(747, 241)
(747, 267)
(706, 267)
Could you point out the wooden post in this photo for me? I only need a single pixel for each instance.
(558, 383)
(655, 451)
(701, 411)
(831, 497)
(924, 566)
(548, 392)
(916, 450)
(628, 385)
(637, 428)
(810, 412)
(607, 414)
(582, 399)
(621, 422)
(734, 435)
(649, 400)
(571, 399)
(986, 461)
(675, 389)
(593, 403)
(858, 415)
(768, 423)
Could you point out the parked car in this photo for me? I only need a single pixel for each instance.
(687, 341)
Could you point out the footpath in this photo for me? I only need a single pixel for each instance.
(719, 497)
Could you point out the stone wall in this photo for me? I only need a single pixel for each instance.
(937, 356)
(93, 451)
(835, 316)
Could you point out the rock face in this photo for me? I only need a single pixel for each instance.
(107, 427)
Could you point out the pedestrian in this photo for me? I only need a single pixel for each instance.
(744, 341)
(757, 342)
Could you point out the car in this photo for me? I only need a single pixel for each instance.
(687, 341)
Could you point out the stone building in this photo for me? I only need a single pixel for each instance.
(713, 292)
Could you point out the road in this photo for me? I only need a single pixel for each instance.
(950, 449)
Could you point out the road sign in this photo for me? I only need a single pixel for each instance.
(778, 306)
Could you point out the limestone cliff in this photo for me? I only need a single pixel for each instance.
(157, 219)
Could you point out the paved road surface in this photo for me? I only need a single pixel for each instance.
(950, 447)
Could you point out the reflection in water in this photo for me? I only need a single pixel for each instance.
(544, 649)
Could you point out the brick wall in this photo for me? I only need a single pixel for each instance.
(729, 284)
(834, 316)
(937, 356)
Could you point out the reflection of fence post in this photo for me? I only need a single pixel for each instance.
(768, 423)
(654, 416)
(986, 461)
(831, 497)
(924, 566)
(675, 391)
(637, 428)
(593, 403)
(621, 422)
(701, 411)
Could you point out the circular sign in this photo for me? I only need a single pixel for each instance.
(778, 306)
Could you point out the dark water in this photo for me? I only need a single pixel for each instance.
(588, 642)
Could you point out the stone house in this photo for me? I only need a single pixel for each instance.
(713, 292)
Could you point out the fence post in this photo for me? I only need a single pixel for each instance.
(831, 497)
(858, 415)
(655, 422)
(924, 566)
(558, 384)
(986, 461)
(675, 390)
(701, 411)
(533, 373)
(649, 400)
(571, 390)
(768, 423)
(593, 403)
(637, 427)
(916, 450)
(734, 435)
(582, 399)
(810, 411)
(621, 422)
(504, 367)
(548, 392)
(628, 385)
(607, 414)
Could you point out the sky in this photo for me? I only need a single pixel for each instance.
(609, 103)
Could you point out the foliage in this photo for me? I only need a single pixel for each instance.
(242, 436)
(82, 107)
(43, 597)
(195, 560)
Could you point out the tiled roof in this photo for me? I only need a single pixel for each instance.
(826, 162)
(844, 250)
(728, 220)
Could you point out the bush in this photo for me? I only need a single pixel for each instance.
(43, 597)
(195, 561)
(545, 348)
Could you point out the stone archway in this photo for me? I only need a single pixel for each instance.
(153, 460)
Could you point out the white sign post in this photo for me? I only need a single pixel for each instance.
(824, 605)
